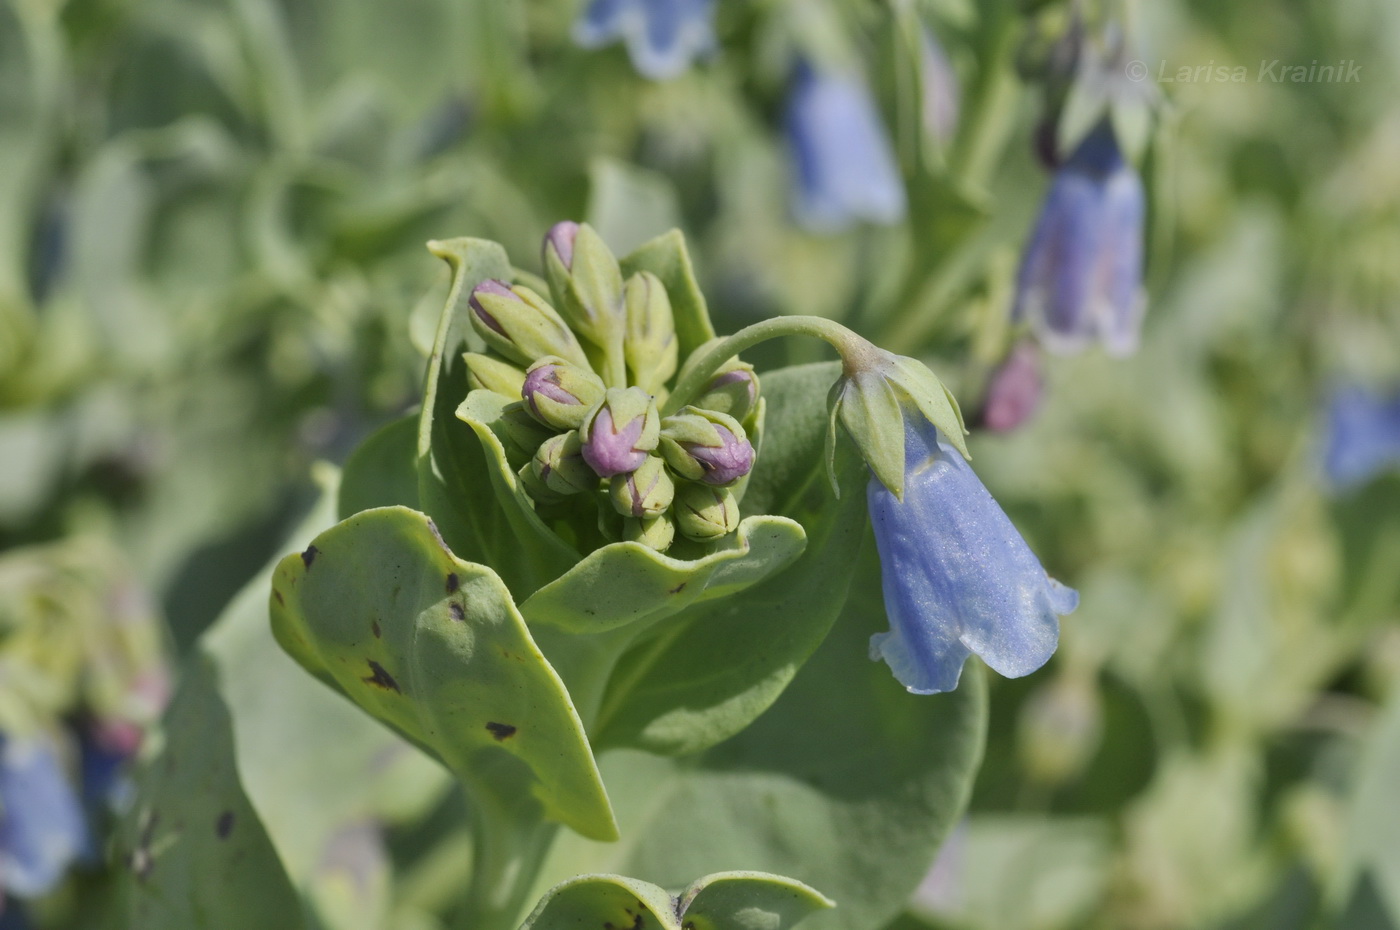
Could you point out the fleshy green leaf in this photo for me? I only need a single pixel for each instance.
(667, 258)
(195, 855)
(454, 469)
(433, 646)
(724, 901)
(627, 582)
(710, 670)
(382, 471)
(847, 783)
(748, 901)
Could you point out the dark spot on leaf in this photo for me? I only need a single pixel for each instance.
(502, 731)
(638, 923)
(678, 588)
(380, 678)
(452, 582)
(278, 594)
(458, 612)
(374, 628)
(224, 825)
(309, 555)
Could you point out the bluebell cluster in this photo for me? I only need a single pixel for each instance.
(1363, 435)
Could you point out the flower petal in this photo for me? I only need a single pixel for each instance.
(41, 822)
(663, 36)
(957, 577)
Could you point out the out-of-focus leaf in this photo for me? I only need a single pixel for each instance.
(628, 205)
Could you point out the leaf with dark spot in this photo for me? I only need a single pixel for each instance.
(309, 555)
(452, 582)
(380, 678)
(224, 825)
(459, 613)
(374, 628)
(501, 731)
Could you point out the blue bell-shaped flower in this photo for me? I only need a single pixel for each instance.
(844, 167)
(42, 828)
(1081, 275)
(957, 577)
(1363, 435)
(663, 36)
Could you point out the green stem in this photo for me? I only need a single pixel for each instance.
(509, 847)
(706, 362)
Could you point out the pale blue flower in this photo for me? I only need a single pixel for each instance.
(1363, 435)
(957, 577)
(1081, 275)
(42, 828)
(844, 169)
(663, 36)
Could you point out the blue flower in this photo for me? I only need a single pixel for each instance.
(844, 168)
(1363, 435)
(42, 828)
(1081, 275)
(663, 36)
(957, 577)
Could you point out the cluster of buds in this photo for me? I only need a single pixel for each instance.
(587, 381)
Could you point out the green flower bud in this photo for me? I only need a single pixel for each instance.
(620, 432)
(559, 465)
(645, 492)
(522, 433)
(651, 347)
(586, 281)
(706, 446)
(733, 391)
(705, 513)
(488, 373)
(559, 394)
(521, 325)
(655, 532)
(871, 400)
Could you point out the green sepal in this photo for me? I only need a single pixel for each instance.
(381, 610)
(723, 901)
(627, 582)
(667, 258)
(487, 372)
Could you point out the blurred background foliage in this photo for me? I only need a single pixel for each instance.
(212, 275)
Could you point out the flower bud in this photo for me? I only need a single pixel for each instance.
(1014, 391)
(655, 532)
(559, 465)
(646, 492)
(521, 433)
(519, 324)
(706, 446)
(488, 373)
(651, 347)
(559, 394)
(733, 391)
(586, 282)
(621, 431)
(704, 513)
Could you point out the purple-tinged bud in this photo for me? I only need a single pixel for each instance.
(559, 466)
(646, 492)
(706, 446)
(1014, 391)
(618, 436)
(734, 392)
(521, 326)
(559, 394)
(490, 286)
(649, 344)
(560, 238)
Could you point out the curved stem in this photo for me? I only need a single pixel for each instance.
(508, 851)
(706, 362)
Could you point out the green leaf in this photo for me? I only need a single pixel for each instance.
(667, 258)
(383, 470)
(379, 608)
(627, 582)
(604, 901)
(196, 855)
(847, 783)
(724, 901)
(748, 901)
(454, 469)
(1369, 876)
(709, 671)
